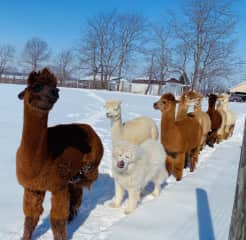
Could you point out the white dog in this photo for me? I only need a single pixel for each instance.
(134, 166)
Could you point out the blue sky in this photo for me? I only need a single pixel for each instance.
(59, 22)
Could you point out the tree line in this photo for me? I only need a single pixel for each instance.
(198, 45)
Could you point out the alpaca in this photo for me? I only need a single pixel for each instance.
(194, 99)
(231, 116)
(60, 159)
(215, 118)
(135, 131)
(221, 133)
(178, 137)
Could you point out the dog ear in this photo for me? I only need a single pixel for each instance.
(22, 94)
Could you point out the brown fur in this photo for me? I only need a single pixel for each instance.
(193, 98)
(178, 137)
(216, 120)
(60, 159)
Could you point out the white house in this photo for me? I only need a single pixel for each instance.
(172, 85)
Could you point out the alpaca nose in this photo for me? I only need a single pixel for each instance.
(120, 164)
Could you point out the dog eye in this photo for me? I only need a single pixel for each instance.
(37, 87)
(127, 157)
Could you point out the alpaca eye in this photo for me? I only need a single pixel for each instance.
(37, 87)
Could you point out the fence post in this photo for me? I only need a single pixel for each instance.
(238, 219)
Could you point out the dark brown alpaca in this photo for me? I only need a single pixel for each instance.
(178, 137)
(216, 120)
(60, 159)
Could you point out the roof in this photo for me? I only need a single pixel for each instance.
(241, 87)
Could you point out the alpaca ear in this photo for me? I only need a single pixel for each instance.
(22, 94)
(32, 78)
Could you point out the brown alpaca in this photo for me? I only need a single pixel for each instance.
(60, 159)
(194, 99)
(216, 120)
(178, 137)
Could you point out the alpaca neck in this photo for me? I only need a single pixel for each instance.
(182, 111)
(198, 107)
(167, 123)
(116, 125)
(211, 108)
(34, 136)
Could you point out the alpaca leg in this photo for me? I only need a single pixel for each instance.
(134, 196)
(59, 214)
(178, 166)
(194, 159)
(169, 165)
(32, 206)
(76, 194)
(119, 194)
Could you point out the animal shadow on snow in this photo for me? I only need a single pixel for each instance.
(101, 191)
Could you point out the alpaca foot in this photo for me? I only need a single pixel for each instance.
(29, 226)
(59, 229)
(73, 213)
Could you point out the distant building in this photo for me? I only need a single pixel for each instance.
(140, 85)
(173, 86)
(241, 87)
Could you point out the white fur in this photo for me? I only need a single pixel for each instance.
(134, 131)
(143, 164)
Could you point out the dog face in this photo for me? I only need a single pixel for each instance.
(112, 108)
(124, 156)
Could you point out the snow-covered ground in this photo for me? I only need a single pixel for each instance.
(198, 207)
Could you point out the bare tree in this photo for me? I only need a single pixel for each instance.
(6, 56)
(35, 52)
(131, 29)
(108, 43)
(64, 64)
(98, 51)
(161, 36)
(206, 32)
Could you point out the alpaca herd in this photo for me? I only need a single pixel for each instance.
(64, 159)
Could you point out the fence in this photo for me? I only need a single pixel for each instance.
(238, 219)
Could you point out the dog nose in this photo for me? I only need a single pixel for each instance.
(120, 164)
(155, 105)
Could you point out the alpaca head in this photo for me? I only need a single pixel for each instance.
(112, 108)
(212, 100)
(41, 92)
(166, 102)
(192, 98)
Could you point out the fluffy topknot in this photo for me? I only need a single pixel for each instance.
(169, 97)
(44, 77)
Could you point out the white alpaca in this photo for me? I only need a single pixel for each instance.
(135, 131)
(231, 116)
(221, 131)
(134, 166)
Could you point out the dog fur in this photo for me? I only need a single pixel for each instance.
(142, 163)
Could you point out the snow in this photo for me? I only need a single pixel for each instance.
(198, 207)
